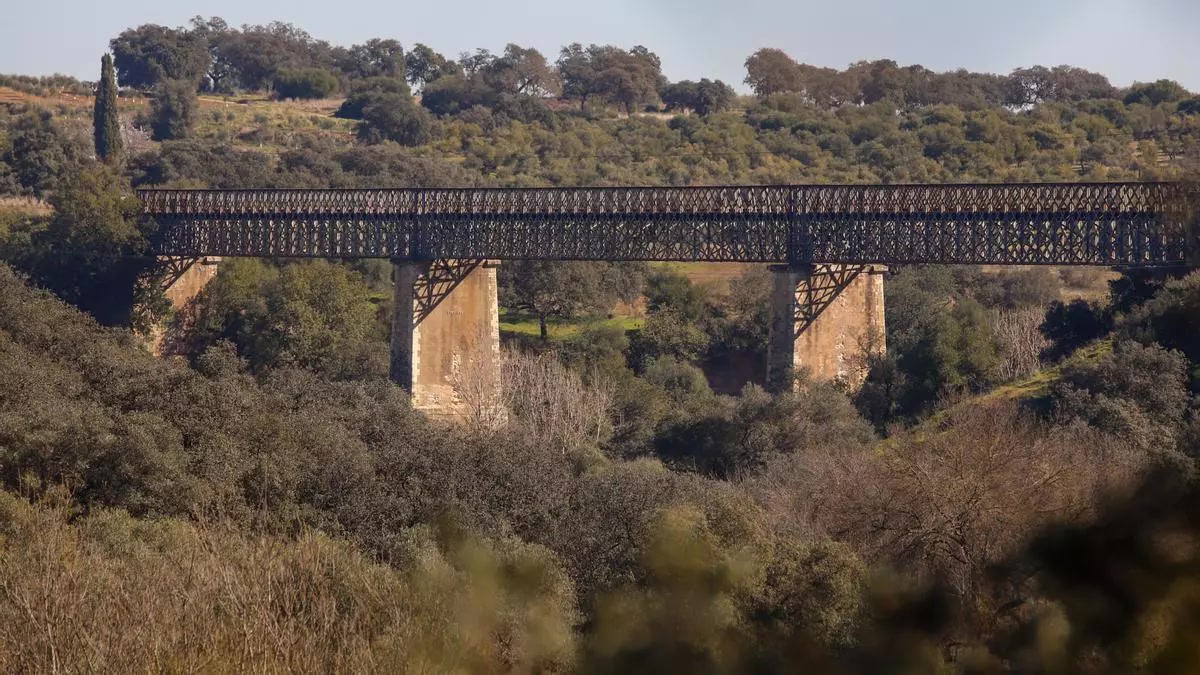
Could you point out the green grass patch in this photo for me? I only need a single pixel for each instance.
(1032, 387)
(520, 324)
(1039, 383)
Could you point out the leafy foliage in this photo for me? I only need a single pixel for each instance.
(305, 83)
(669, 334)
(374, 58)
(39, 153)
(1136, 393)
(173, 110)
(1169, 318)
(630, 79)
(703, 97)
(1069, 326)
(939, 345)
(422, 65)
(317, 316)
(149, 55)
(742, 434)
(368, 91)
(89, 252)
(559, 289)
(394, 117)
(628, 517)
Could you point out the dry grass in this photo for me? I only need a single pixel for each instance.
(712, 275)
(268, 125)
(114, 594)
(1087, 283)
(25, 206)
(324, 106)
(10, 95)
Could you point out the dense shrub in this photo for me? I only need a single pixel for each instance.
(703, 97)
(1136, 393)
(305, 83)
(454, 94)
(394, 117)
(315, 316)
(37, 153)
(745, 536)
(173, 110)
(941, 343)
(1069, 326)
(366, 91)
(740, 435)
(1171, 318)
(81, 406)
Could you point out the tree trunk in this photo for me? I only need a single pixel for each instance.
(542, 325)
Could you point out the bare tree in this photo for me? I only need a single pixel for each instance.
(947, 504)
(1021, 341)
(552, 404)
(477, 384)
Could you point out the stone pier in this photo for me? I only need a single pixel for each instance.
(826, 320)
(191, 281)
(445, 346)
(183, 280)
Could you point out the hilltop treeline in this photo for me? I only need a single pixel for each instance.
(284, 58)
(523, 118)
(874, 121)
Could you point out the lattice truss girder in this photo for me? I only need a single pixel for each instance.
(1086, 224)
(437, 282)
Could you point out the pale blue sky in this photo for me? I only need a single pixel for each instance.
(1127, 40)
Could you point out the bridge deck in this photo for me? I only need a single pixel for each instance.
(1064, 224)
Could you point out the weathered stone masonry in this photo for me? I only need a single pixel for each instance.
(836, 345)
(449, 360)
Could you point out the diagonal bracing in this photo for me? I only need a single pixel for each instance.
(817, 291)
(437, 282)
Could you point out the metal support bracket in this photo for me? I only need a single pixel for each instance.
(437, 282)
(817, 291)
(175, 268)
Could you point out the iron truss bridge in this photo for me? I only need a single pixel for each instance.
(1110, 224)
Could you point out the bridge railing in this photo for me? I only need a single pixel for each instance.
(825, 199)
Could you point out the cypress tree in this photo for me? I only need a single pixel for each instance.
(104, 117)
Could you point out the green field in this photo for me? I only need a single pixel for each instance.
(1039, 383)
(514, 324)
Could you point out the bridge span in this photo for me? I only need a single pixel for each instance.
(828, 244)
(1019, 224)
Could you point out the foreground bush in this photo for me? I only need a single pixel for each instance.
(115, 594)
